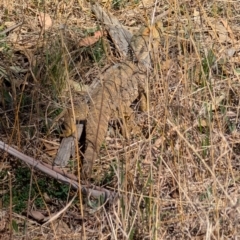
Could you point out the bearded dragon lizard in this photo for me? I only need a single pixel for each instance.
(122, 84)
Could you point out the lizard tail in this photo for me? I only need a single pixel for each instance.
(96, 128)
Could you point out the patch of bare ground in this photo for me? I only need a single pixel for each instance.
(179, 179)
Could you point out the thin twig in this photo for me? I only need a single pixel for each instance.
(57, 173)
(11, 28)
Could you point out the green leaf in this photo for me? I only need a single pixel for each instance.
(14, 225)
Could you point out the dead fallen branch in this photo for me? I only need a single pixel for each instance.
(59, 174)
(119, 34)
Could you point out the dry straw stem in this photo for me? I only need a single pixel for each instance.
(180, 179)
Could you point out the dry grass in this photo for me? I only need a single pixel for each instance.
(179, 181)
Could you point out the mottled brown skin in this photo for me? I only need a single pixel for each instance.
(122, 84)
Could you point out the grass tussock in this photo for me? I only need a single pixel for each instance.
(178, 179)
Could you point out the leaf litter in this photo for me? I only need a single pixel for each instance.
(199, 123)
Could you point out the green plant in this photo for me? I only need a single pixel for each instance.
(118, 4)
(108, 177)
(20, 191)
(54, 75)
(97, 51)
(208, 61)
(3, 44)
(206, 195)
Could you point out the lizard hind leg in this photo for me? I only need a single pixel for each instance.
(128, 126)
